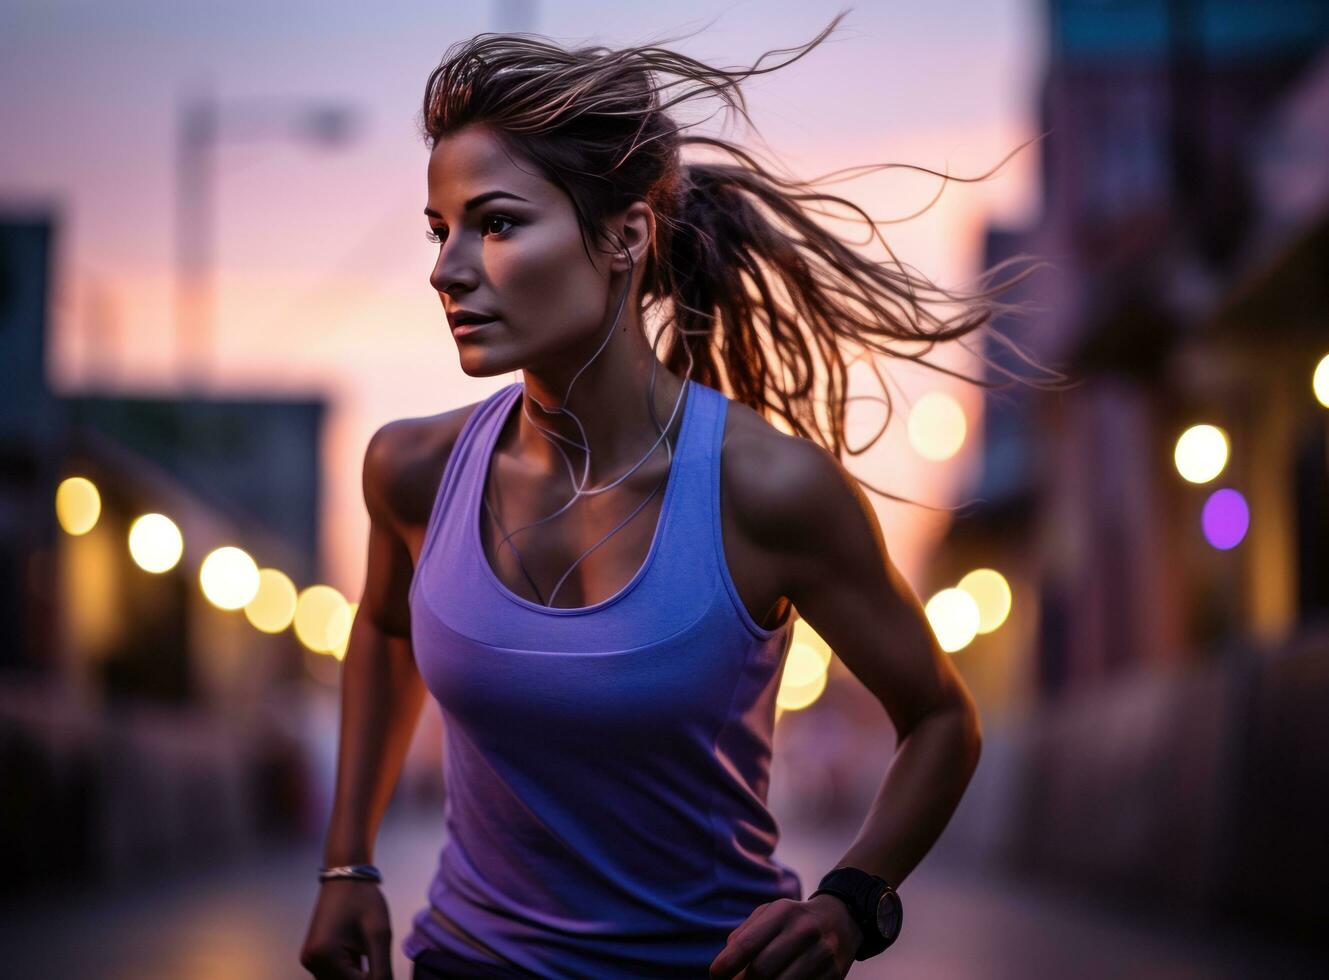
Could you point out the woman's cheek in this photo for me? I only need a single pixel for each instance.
(537, 283)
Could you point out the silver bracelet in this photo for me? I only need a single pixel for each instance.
(356, 872)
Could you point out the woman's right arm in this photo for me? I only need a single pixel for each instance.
(381, 689)
(381, 697)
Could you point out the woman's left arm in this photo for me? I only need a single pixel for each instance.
(825, 540)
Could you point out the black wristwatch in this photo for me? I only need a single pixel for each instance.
(872, 902)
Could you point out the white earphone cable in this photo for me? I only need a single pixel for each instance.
(579, 488)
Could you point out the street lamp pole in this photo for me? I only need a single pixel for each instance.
(198, 131)
(195, 166)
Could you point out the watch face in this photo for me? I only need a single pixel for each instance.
(890, 915)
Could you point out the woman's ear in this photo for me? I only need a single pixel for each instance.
(636, 229)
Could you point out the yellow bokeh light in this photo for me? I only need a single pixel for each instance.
(794, 697)
(1201, 453)
(802, 666)
(77, 505)
(953, 614)
(805, 667)
(155, 543)
(1320, 381)
(339, 628)
(229, 578)
(318, 610)
(936, 426)
(805, 634)
(992, 595)
(273, 607)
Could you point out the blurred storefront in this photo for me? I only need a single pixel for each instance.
(140, 724)
(1154, 720)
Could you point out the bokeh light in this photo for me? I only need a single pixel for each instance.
(77, 505)
(1225, 519)
(273, 607)
(318, 610)
(992, 595)
(804, 678)
(953, 614)
(805, 669)
(229, 578)
(155, 543)
(804, 634)
(1320, 381)
(339, 628)
(1201, 453)
(936, 426)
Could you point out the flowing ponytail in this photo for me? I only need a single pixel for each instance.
(768, 301)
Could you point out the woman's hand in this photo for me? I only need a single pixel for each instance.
(350, 921)
(791, 940)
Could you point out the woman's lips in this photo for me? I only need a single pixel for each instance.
(462, 329)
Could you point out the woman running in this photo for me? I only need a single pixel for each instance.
(595, 570)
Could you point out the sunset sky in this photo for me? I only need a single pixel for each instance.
(322, 265)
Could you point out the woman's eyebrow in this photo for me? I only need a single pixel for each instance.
(479, 199)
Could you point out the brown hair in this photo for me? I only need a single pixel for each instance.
(735, 244)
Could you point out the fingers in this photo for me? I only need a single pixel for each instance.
(815, 962)
(746, 941)
(380, 954)
(795, 953)
(323, 966)
(780, 941)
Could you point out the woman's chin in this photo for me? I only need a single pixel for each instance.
(479, 364)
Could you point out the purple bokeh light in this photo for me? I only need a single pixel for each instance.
(1225, 519)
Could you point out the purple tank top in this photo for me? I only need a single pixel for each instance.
(606, 766)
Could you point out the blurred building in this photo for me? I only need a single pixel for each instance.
(139, 724)
(1154, 708)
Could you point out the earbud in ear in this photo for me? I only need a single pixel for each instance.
(624, 250)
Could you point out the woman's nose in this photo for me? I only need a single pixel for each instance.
(453, 270)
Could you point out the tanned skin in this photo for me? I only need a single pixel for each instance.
(797, 530)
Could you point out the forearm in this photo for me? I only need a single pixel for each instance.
(927, 777)
(381, 697)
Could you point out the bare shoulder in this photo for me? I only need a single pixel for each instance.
(404, 462)
(801, 519)
(784, 488)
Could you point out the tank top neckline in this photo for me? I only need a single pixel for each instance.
(511, 397)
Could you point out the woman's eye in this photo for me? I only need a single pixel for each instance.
(437, 238)
(497, 217)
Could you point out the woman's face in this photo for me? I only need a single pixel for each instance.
(509, 247)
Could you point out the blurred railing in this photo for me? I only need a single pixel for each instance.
(1202, 791)
(135, 789)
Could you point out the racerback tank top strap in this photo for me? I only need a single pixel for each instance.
(679, 576)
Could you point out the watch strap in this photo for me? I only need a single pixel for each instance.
(860, 891)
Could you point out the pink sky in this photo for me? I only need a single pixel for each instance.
(322, 264)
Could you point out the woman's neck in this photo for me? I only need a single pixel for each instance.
(610, 399)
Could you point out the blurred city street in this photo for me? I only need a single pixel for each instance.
(1105, 498)
(248, 923)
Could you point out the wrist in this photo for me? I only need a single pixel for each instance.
(335, 854)
(351, 872)
(348, 858)
(843, 916)
(873, 905)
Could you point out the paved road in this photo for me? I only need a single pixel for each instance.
(247, 923)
